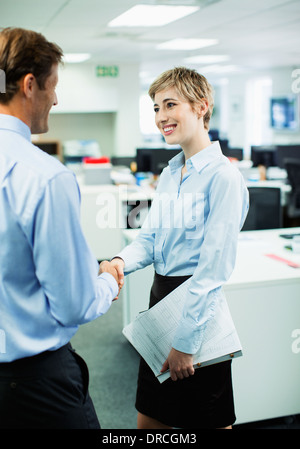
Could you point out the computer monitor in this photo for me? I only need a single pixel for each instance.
(214, 134)
(125, 161)
(287, 152)
(235, 153)
(143, 159)
(154, 160)
(264, 155)
(51, 147)
(224, 143)
(161, 158)
(284, 113)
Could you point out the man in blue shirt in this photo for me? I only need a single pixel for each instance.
(49, 281)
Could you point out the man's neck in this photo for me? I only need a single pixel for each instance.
(15, 109)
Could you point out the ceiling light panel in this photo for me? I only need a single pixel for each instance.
(187, 44)
(206, 59)
(72, 58)
(221, 69)
(152, 15)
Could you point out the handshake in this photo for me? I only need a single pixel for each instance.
(116, 268)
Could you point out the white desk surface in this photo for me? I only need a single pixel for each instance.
(252, 264)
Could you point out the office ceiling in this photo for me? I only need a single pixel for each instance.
(253, 34)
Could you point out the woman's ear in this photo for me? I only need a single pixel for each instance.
(202, 108)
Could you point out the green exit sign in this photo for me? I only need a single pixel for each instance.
(111, 71)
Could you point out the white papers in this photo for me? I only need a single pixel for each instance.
(152, 333)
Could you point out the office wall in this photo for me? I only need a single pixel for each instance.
(81, 91)
(283, 84)
(241, 108)
(99, 126)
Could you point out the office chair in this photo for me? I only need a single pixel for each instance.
(265, 210)
(292, 167)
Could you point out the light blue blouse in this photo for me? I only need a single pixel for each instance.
(192, 229)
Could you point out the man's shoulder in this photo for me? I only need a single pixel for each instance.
(44, 163)
(31, 170)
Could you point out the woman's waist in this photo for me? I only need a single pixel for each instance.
(160, 278)
(163, 285)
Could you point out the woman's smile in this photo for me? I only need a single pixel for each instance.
(169, 129)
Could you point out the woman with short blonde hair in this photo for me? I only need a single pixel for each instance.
(191, 232)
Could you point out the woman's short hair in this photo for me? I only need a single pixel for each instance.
(189, 84)
(22, 52)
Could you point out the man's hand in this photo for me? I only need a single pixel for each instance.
(180, 364)
(108, 267)
(119, 264)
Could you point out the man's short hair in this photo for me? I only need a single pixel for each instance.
(22, 52)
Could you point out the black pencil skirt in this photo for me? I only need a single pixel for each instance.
(204, 400)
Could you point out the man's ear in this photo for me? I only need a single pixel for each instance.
(27, 84)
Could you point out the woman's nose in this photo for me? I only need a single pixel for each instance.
(161, 116)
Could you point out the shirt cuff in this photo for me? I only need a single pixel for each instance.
(187, 338)
(113, 285)
(125, 256)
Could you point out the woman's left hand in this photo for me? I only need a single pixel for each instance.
(180, 364)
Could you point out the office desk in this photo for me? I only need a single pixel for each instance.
(104, 215)
(264, 298)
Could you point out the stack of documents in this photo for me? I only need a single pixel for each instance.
(152, 333)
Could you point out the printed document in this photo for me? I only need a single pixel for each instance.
(152, 332)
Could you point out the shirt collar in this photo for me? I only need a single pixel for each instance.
(8, 122)
(199, 160)
(205, 156)
(176, 162)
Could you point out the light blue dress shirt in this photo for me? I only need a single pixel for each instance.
(49, 281)
(192, 229)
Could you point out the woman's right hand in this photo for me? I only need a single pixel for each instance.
(119, 264)
(116, 268)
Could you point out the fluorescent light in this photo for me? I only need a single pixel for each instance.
(151, 15)
(76, 57)
(187, 44)
(220, 69)
(206, 59)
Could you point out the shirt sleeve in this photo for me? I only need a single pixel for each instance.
(65, 266)
(139, 253)
(228, 206)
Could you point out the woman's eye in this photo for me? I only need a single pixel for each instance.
(156, 109)
(170, 105)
